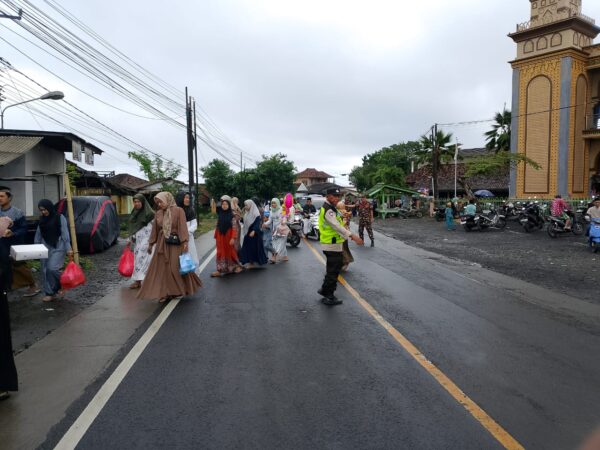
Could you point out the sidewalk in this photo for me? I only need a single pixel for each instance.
(54, 372)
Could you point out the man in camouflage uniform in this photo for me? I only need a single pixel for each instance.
(365, 219)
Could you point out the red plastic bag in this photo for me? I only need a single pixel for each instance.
(126, 263)
(72, 276)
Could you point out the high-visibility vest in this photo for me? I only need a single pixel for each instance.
(326, 231)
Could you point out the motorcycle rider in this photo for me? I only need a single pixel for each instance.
(559, 209)
(471, 208)
(307, 210)
(593, 213)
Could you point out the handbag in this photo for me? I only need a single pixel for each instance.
(173, 239)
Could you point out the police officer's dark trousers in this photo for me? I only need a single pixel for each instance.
(335, 261)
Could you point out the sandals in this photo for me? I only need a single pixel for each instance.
(135, 285)
(49, 298)
(4, 395)
(216, 274)
(32, 293)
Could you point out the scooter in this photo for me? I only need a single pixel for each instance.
(487, 219)
(295, 235)
(594, 234)
(556, 226)
(531, 218)
(313, 230)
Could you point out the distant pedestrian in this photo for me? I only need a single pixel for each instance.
(8, 370)
(139, 230)
(53, 233)
(267, 232)
(15, 235)
(280, 232)
(226, 235)
(365, 220)
(449, 217)
(237, 214)
(332, 237)
(253, 252)
(170, 235)
(346, 216)
(184, 201)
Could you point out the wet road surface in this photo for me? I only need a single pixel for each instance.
(256, 361)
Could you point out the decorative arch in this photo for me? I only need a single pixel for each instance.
(578, 149)
(542, 43)
(528, 47)
(576, 38)
(556, 40)
(538, 134)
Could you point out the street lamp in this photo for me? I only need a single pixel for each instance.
(52, 95)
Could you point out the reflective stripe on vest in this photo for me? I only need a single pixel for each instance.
(326, 231)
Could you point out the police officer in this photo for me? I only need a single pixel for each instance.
(333, 235)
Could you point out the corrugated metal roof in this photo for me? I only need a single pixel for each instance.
(11, 147)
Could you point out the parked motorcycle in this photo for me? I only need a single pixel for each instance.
(486, 219)
(594, 234)
(556, 226)
(531, 217)
(295, 235)
(510, 211)
(440, 214)
(405, 213)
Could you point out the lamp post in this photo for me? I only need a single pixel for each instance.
(53, 95)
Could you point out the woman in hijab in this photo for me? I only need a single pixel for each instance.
(8, 371)
(171, 237)
(237, 214)
(253, 252)
(347, 216)
(53, 232)
(184, 201)
(140, 228)
(226, 234)
(280, 231)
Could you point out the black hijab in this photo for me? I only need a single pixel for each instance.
(224, 222)
(50, 224)
(190, 213)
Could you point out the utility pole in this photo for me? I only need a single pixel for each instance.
(197, 200)
(435, 153)
(190, 140)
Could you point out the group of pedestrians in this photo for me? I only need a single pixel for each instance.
(158, 239)
(251, 237)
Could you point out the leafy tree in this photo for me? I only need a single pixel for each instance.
(218, 177)
(387, 165)
(498, 138)
(274, 175)
(156, 168)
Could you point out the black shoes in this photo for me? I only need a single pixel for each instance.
(372, 243)
(329, 300)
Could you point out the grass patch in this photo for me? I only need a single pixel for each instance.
(85, 262)
(207, 222)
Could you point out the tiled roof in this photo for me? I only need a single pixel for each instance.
(313, 173)
(422, 178)
(124, 179)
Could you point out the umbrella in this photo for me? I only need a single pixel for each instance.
(483, 193)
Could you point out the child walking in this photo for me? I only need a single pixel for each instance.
(450, 217)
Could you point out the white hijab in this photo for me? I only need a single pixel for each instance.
(252, 213)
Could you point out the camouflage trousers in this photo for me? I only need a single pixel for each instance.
(362, 224)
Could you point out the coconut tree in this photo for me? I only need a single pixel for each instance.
(435, 150)
(498, 138)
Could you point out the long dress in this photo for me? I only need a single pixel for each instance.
(227, 256)
(192, 227)
(163, 278)
(8, 371)
(52, 266)
(279, 242)
(142, 258)
(253, 251)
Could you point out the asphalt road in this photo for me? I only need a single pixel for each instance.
(256, 361)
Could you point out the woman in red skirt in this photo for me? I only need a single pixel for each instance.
(226, 234)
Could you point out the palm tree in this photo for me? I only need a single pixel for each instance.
(436, 149)
(498, 138)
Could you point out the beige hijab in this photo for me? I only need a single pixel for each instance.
(168, 199)
(235, 206)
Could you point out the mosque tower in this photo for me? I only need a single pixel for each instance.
(556, 102)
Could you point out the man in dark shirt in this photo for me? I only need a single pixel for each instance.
(309, 208)
(15, 235)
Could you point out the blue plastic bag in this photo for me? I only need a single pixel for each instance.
(186, 264)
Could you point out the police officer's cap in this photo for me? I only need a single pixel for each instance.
(334, 191)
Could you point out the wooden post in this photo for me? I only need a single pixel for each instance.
(71, 218)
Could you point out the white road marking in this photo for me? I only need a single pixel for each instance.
(72, 437)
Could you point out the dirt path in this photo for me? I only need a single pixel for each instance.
(564, 265)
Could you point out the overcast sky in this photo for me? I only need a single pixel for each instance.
(323, 81)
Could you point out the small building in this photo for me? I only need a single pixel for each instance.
(312, 176)
(33, 164)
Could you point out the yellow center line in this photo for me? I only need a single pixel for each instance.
(501, 435)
